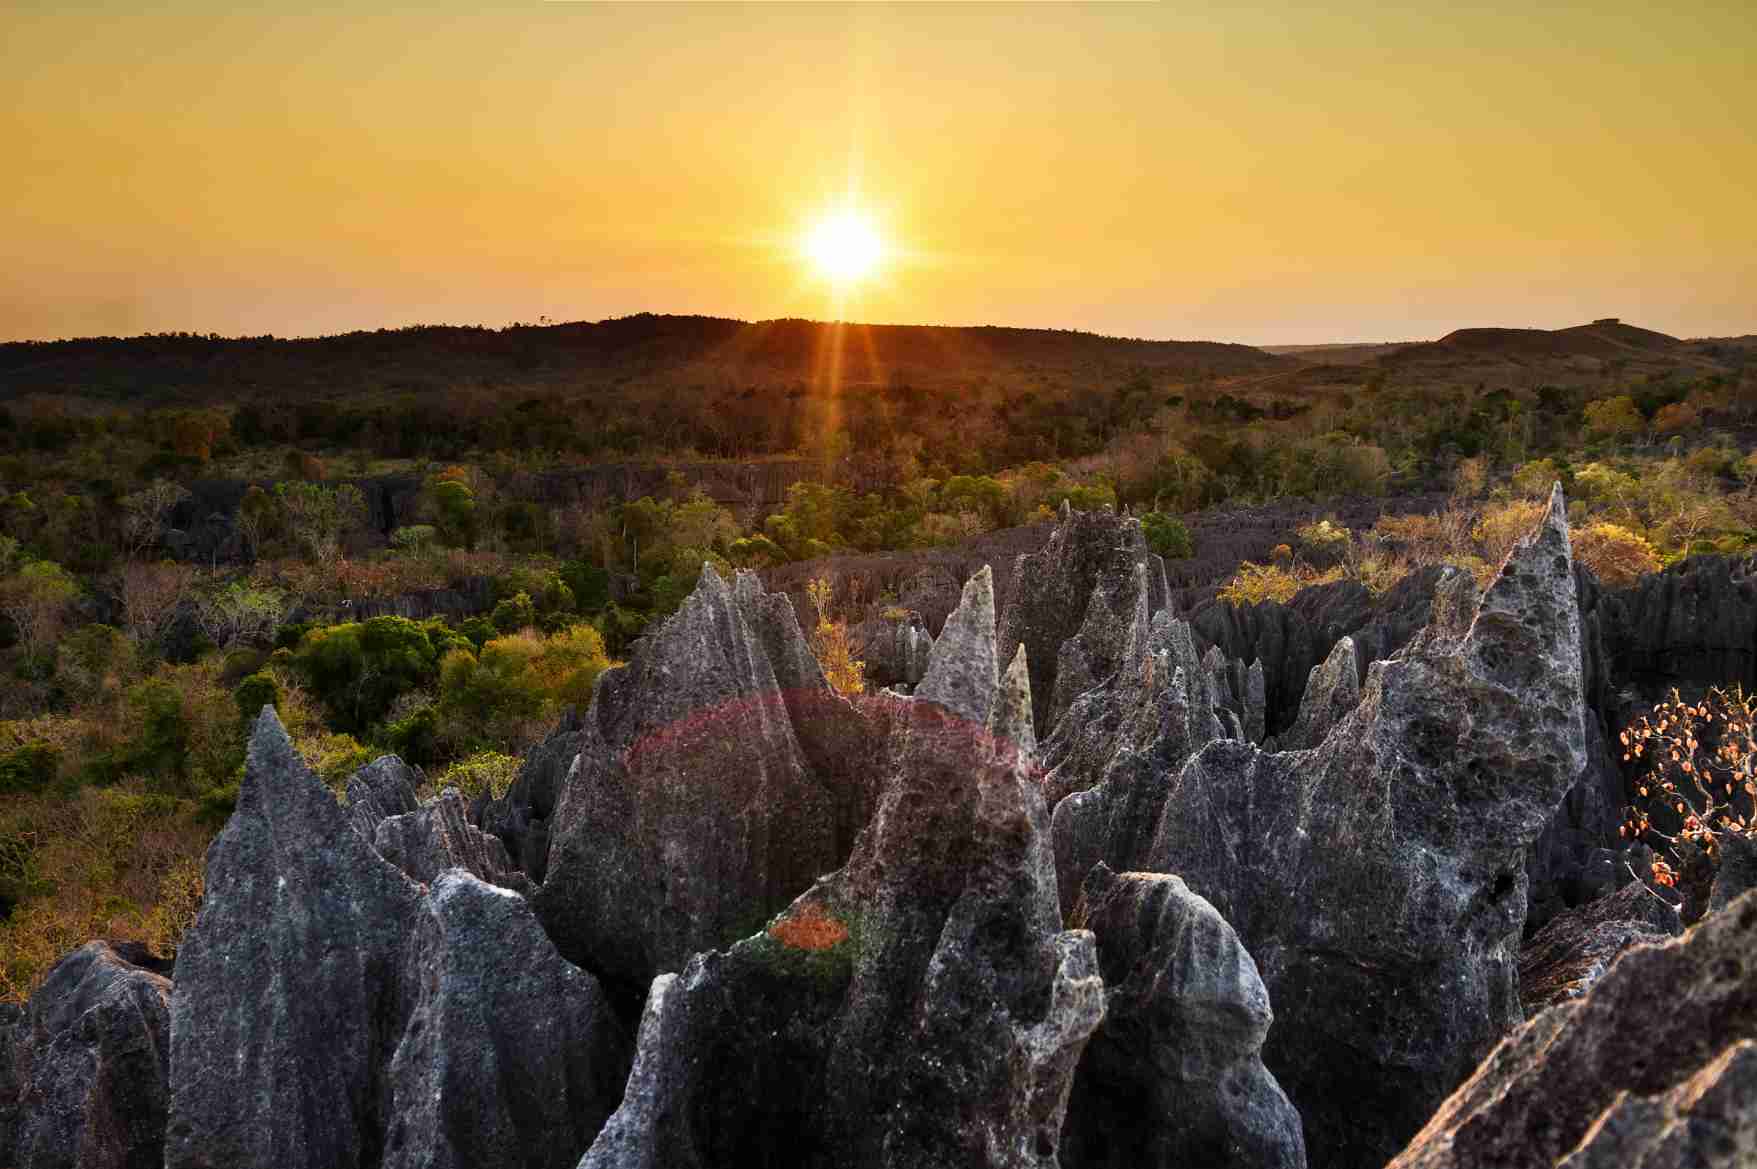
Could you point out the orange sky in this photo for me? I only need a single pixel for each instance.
(1323, 172)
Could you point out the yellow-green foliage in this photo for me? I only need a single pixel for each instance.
(106, 862)
(485, 771)
(506, 695)
(1619, 556)
(831, 645)
(1253, 583)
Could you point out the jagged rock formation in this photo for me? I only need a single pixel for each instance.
(88, 1065)
(323, 998)
(1110, 758)
(1174, 1077)
(1697, 621)
(691, 814)
(1565, 957)
(1075, 604)
(511, 1056)
(383, 788)
(438, 836)
(1737, 874)
(286, 1009)
(1378, 878)
(1332, 691)
(1655, 1067)
(920, 1007)
(521, 818)
(895, 651)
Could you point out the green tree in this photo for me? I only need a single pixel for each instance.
(1614, 419)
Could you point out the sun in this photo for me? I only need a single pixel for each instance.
(844, 247)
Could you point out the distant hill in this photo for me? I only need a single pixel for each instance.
(193, 369)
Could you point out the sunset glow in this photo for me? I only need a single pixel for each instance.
(844, 247)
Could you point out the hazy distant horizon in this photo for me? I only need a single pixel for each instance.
(1342, 342)
(1267, 176)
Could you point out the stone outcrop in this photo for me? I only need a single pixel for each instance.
(1174, 1076)
(384, 787)
(920, 1007)
(286, 1009)
(1331, 693)
(1737, 873)
(11, 1026)
(1656, 1066)
(1377, 878)
(1075, 604)
(521, 818)
(89, 1060)
(894, 649)
(511, 1056)
(691, 815)
(1564, 958)
(1110, 758)
(438, 836)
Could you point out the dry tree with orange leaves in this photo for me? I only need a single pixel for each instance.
(1700, 777)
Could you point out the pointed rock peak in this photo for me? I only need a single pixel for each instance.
(1531, 608)
(963, 673)
(272, 759)
(1065, 512)
(711, 582)
(1012, 714)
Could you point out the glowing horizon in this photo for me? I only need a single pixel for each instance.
(1355, 174)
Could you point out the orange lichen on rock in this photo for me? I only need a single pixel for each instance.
(812, 930)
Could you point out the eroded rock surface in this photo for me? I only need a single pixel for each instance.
(1174, 1076)
(920, 1007)
(691, 815)
(438, 836)
(1075, 605)
(521, 818)
(384, 787)
(1655, 1067)
(286, 1009)
(1331, 693)
(90, 1060)
(512, 1057)
(1378, 878)
(1568, 955)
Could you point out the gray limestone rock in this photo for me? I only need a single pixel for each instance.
(691, 815)
(90, 1057)
(1655, 1067)
(521, 818)
(511, 1058)
(1378, 879)
(1568, 955)
(1331, 693)
(438, 836)
(1075, 604)
(384, 787)
(1174, 1077)
(918, 1008)
(1737, 873)
(286, 1007)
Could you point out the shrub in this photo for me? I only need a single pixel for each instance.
(1502, 527)
(1619, 556)
(1700, 776)
(254, 693)
(1167, 535)
(501, 697)
(1614, 418)
(1253, 583)
(831, 645)
(485, 771)
(1325, 540)
(515, 613)
(358, 669)
(1535, 479)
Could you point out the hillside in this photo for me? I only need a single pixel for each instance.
(644, 349)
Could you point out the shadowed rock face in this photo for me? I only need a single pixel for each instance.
(691, 814)
(438, 836)
(383, 788)
(521, 819)
(90, 1061)
(1564, 959)
(1110, 757)
(1332, 691)
(11, 1020)
(918, 1008)
(328, 1014)
(1655, 1067)
(1173, 1077)
(512, 1056)
(1075, 604)
(1378, 879)
(286, 1003)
